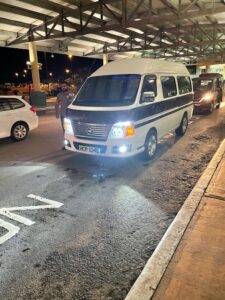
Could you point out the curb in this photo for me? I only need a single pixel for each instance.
(148, 280)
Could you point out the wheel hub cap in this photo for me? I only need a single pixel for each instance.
(20, 131)
(152, 146)
(185, 122)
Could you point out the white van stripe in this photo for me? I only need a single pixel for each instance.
(160, 115)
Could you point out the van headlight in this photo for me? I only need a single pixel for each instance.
(122, 130)
(68, 126)
(207, 97)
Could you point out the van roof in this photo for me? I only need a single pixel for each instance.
(141, 66)
(210, 75)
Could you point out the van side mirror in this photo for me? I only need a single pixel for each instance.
(148, 97)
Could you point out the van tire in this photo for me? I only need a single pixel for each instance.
(150, 145)
(211, 108)
(183, 126)
(19, 131)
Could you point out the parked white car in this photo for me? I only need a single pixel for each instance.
(17, 118)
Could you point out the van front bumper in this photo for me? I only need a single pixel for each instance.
(111, 148)
(202, 106)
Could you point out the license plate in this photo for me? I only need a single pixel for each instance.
(197, 104)
(89, 149)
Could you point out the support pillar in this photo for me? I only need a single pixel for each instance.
(34, 66)
(37, 98)
(207, 70)
(105, 58)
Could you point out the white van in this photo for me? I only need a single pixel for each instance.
(126, 106)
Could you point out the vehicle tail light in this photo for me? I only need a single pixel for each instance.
(33, 109)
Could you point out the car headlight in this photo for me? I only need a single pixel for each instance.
(122, 130)
(206, 97)
(68, 126)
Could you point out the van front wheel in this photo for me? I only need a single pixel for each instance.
(150, 146)
(183, 126)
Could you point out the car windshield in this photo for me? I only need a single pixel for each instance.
(203, 84)
(110, 90)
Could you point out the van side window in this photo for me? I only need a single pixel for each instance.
(184, 84)
(149, 85)
(168, 86)
(4, 105)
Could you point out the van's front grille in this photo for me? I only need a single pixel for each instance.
(98, 132)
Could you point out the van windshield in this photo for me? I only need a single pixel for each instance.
(110, 90)
(203, 84)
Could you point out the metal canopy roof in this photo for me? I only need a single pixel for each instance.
(187, 30)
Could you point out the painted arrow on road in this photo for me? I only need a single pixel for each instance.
(9, 212)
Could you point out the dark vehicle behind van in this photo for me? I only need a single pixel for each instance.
(208, 92)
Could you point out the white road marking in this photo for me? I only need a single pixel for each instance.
(15, 217)
(51, 203)
(7, 212)
(166, 137)
(12, 230)
(194, 118)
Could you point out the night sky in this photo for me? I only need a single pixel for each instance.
(14, 61)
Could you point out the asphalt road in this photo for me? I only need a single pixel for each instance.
(113, 213)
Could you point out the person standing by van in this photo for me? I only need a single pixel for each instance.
(64, 98)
